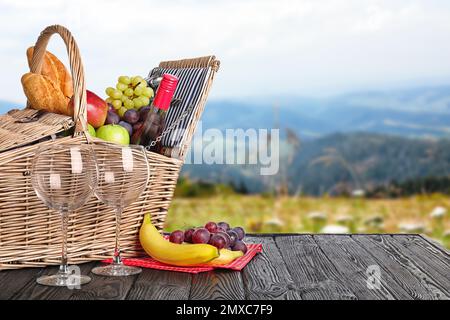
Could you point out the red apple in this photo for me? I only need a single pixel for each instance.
(97, 109)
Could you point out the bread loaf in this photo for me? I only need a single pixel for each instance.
(44, 94)
(55, 70)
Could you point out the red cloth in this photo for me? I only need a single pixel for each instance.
(238, 264)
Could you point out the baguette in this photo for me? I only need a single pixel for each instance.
(44, 94)
(55, 70)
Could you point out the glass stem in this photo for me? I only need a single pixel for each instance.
(117, 259)
(64, 223)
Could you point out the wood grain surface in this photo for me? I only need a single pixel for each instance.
(291, 267)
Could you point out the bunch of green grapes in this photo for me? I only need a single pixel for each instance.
(129, 93)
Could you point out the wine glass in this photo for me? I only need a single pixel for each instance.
(63, 177)
(123, 175)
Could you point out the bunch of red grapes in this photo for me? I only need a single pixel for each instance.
(220, 235)
(131, 120)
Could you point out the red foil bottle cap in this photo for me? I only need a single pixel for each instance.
(165, 91)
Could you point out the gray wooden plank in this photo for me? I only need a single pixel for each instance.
(104, 288)
(314, 274)
(435, 244)
(418, 284)
(161, 285)
(423, 246)
(290, 267)
(217, 285)
(12, 281)
(352, 261)
(427, 262)
(34, 291)
(266, 277)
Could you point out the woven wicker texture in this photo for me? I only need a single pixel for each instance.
(29, 231)
(14, 134)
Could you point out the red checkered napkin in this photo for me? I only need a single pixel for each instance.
(238, 264)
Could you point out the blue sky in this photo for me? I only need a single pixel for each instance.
(303, 47)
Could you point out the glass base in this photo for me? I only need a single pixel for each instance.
(63, 280)
(116, 270)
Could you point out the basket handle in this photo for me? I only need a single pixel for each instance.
(76, 68)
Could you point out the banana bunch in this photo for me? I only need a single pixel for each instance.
(183, 255)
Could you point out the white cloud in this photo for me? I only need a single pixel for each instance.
(266, 47)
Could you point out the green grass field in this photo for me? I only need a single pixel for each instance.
(308, 214)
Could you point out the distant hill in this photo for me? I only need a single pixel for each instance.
(419, 112)
(391, 135)
(353, 160)
(363, 160)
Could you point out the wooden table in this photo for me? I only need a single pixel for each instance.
(291, 267)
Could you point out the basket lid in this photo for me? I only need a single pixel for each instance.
(22, 127)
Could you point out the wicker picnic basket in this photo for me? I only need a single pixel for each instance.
(29, 231)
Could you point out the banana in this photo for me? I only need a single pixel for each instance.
(226, 256)
(172, 253)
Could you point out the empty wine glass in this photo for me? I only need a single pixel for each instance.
(123, 175)
(63, 177)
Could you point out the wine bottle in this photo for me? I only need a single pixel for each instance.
(155, 121)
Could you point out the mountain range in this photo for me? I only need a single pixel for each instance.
(357, 160)
(359, 139)
(419, 112)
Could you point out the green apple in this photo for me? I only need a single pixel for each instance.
(114, 133)
(91, 130)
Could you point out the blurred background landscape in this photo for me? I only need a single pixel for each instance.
(360, 91)
(365, 162)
